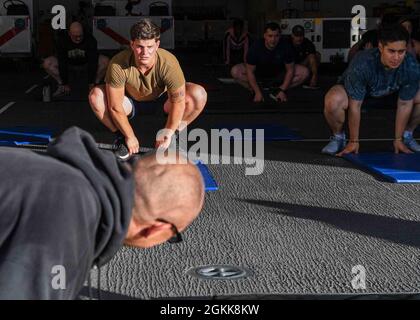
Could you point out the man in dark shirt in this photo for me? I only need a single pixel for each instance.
(376, 73)
(236, 43)
(305, 54)
(270, 62)
(75, 50)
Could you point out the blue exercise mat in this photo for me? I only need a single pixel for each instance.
(272, 132)
(15, 143)
(210, 183)
(25, 132)
(398, 168)
(14, 140)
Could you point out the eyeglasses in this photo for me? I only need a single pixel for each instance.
(177, 237)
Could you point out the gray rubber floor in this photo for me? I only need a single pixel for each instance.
(299, 228)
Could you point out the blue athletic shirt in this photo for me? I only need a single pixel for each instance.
(367, 76)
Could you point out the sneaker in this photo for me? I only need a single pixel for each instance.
(120, 149)
(335, 145)
(59, 92)
(411, 143)
(308, 87)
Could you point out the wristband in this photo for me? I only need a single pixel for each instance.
(354, 141)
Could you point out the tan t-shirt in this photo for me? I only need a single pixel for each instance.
(166, 75)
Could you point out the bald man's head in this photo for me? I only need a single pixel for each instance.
(76, 32)
(173, 193)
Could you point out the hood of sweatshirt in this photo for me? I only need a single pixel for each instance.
(112, 182)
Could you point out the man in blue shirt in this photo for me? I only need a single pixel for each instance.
(270, 61)
(376, 73)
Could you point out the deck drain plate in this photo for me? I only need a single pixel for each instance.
(219, 272)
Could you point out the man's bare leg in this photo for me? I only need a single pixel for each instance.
(336, 104)
(312, 62)
(50, 66)
(300, 75)
(239, 73)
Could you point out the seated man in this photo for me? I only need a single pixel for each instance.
(271, 62)
(138, 77)
(305, 54)
(369, 40)
(236, 44)
(407, 24)
(415, 39)
(376, 73)
(75, 50)
(64, 213)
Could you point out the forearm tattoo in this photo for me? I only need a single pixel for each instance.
(177, 96)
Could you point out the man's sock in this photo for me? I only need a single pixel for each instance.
(407, 134)
(340, 135)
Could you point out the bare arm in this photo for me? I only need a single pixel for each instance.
(290, 69)
(176, 114)
(177, 99)
(116, 110)
(354, 127)
(250, 71)
(404, 110)
(354, 119)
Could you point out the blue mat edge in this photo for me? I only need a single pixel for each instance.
(356, 160)
(291, 135)
(210, 182)
(20, 131)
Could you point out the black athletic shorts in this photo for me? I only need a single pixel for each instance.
(146, 107)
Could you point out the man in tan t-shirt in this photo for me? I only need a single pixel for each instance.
(138, 76)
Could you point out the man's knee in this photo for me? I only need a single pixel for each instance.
(97, 99)
(237, 72)
(305, 73)
(49, 63)
(302, 72)
(198, 94)
(335, 99)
